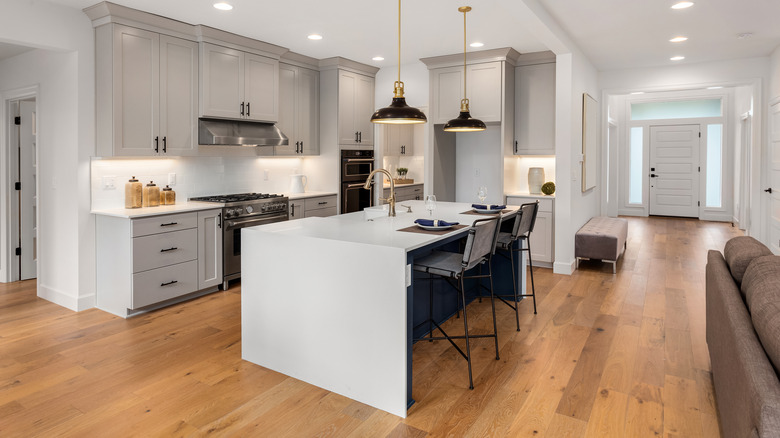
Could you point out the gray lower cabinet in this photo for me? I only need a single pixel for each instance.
(147, 261)
(321, 206)
(406, 193)
(543, 235)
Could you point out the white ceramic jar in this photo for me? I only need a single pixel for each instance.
(535, 180)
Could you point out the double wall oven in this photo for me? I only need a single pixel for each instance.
(356, 165)
(241, 211)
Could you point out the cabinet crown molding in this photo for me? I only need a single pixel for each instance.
(506, 54)
(338, 62)
(299, 60)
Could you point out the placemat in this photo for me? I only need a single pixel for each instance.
(505, 211)
(416, 229)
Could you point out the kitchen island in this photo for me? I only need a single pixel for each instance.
(331, 301)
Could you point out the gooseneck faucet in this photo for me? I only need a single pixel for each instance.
(391, 199)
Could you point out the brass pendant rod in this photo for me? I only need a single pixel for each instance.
(399, 40)
(464, 51)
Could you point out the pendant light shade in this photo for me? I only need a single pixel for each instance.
(464, 122)
(398, 112)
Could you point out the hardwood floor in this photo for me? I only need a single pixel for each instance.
(607, 355)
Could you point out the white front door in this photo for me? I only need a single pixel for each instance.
(28, 227)
(774, 179)
(674, 170)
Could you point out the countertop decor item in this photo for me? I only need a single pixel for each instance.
(151, 195)
(134, 193)
(464, 122)
(548, 188)
(398, 112)
(298, 183)
(167, 196)
(535, 180)
(402, 171)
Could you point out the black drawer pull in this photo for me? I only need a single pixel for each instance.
(322, 203)
(168, 283)
(169, 224)
(173, 248)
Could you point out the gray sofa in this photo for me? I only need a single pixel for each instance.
(743, 336)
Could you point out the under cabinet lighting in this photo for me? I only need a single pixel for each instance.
(377, 58)
(678, 39)
(222, 6)
(714, 88)
(682, 5)
(638, 92)
(314, 36)
(676, 58)
(477, 44)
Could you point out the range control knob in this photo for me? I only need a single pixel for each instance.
(249, 209)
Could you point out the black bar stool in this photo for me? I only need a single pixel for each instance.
(480, 247)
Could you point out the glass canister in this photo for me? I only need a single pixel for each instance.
(167, 196)
(134, 193)
(151, 195)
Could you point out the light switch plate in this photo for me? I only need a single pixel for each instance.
(109, 183)
(171, 179)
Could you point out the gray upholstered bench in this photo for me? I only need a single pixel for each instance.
(602, 238)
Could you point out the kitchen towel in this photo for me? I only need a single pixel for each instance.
(434, 223)
(488, 206)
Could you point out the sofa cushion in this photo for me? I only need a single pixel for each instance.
(761, 286)
(739, 252)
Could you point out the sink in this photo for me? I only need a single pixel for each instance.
(372, 213)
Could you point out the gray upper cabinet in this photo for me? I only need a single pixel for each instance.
(484, 88)
(535, 109)
(356, 105)
(299, 102)
(238, 85)
(146, 93)
(399, 139)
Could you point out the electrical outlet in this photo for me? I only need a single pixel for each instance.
(476, 172)
(265, 175)
(109, 183)
(171, 179)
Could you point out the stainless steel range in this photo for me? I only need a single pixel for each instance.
(240, 211)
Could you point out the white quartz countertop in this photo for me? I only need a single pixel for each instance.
(529, 195)
(294, 196)
(182, 207)
(373, 227)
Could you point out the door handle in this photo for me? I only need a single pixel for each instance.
(247, 109)
(301, 147)
(157, 145)
(769, 190)
(652, 175)
(360, 137)
(165, 144)
(515, 146)
(292, 210)
(296, 146)
(219, 220)
(356, 136)
(242, 108)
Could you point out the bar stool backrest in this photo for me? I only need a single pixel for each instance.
(481, 241)
(525, 220)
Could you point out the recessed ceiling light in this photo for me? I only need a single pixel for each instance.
(314, 36)
(714, 88)
(477, 44)
(638, 92)
(676, 58)
(222, 6)
(678, 39)
(682, 5)
(744, 35)
(378, 58)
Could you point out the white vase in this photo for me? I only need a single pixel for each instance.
(535, 180)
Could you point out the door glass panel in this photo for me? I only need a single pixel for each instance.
(635, 178)
(714, 165)
(677, 109)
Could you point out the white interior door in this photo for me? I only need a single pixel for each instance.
(774, 179)
(674, 170)
(28, 226)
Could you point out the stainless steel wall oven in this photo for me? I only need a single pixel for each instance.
(356, 165)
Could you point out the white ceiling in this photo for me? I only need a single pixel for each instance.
(614, 34)
(9, 50)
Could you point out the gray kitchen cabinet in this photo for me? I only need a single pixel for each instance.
(356, 105)
(399, 139)
(238, 85)
(543, 235)
(209, 248)
(319, 206)
(406, 193)
(297, 209)
(535, 109)
(484, 87)
(147, 262)
(299, 108)
(146, 93)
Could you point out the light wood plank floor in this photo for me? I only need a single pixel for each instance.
(608, 355)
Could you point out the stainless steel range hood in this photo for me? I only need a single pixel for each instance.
(239, 133)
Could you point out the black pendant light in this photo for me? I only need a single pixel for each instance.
(398, 112)
(464, 122)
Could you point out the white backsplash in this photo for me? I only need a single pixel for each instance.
(412, 162)
(195, 176)
(519, 180)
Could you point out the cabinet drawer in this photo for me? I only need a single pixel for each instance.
(321, 202)
(322, 212)
(158, 250)
(163, 224)
(162, 284)
(545, 204)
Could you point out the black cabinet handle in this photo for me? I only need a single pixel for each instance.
(297, 146)
(356, 136)
(769, 190)
(165, 144)
(652, 175)
(247, 109)
(156, 144)
(219, 220)
(242, 108)
(360, 137)
(322, 203)
(292, 209)
(169, 224)
(515, 146)
(173, 248)
(301, 147)
(168, 283)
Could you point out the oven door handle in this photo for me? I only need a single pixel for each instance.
(259, 221)
(352, 186)
(359, 160)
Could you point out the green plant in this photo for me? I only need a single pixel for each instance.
(402, 171)
(548, 188)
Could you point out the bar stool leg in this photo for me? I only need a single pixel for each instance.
(531, 265)
(430, 306)
(466, 326)
(493, 305)
(514, 286)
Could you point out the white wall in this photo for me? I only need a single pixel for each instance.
(774, 74)
(64, 73)
(479, 161)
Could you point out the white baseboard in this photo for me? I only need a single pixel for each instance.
(565, 268)
(60, 298)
